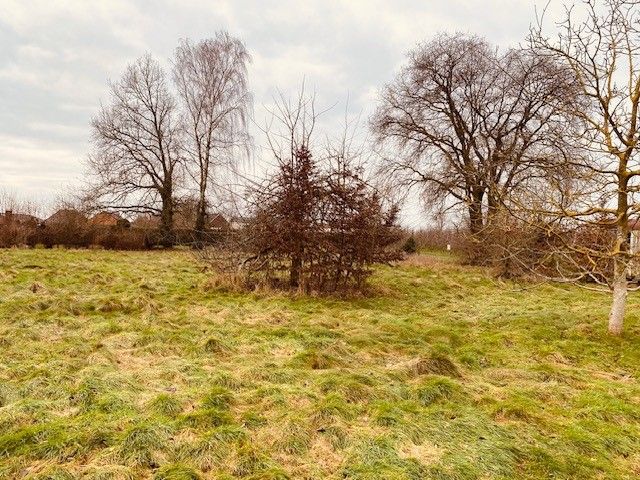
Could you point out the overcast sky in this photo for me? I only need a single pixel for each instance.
(57, 56)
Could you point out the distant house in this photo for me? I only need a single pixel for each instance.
(219, 224)
(109, 219)
(65, 216)
(216, 223)
(19, 219)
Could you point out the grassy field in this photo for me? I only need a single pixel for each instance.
(118, 365)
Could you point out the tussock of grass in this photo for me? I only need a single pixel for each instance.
(215, 345)
(296, 436)
(166, 405)
(109, 472)
(251, 462)
(218, 397)
(331, 408)
(436, 389)
(143, 445)
(315, 359)
(353, 387)
(213, 447)
(252, 419)
(378, 458)
(207, 418)
(122, 366)
(437, 364)
(176, 472)
(55, 473)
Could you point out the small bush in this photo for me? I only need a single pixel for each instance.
(314, 227)
(410, 246)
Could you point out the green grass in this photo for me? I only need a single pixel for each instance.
(127, 365)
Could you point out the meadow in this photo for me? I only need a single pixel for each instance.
(127, 365)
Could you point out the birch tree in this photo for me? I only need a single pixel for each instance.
(600, 43)
(211, 79)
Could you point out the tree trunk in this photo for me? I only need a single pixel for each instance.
(616, 315)
(620, 254)
(475, 216)
(492, 208)
(166, 223)
(476, 228)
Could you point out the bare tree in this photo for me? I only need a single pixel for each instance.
(469, 124)
(602, 49)
(211, 77)
(136, 156)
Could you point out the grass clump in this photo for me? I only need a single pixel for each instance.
(378, 458)
(55, 473)
(252, 462)
(295, 436)
(109, 472)
(315, 359)
(143, 445)
(213, 447)
(437, 364)
(166, 404)
(332, 407)
(354, 388)
(218, 397)
(176, 471)
(215, 345)
(252, 419)
(272, 473)
(436, 389)
(386, 414)
(207, 418)
(85, 395)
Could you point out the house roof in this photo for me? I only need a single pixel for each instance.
(66, 215)
(218, 222)
(20, 218)
(107, 219)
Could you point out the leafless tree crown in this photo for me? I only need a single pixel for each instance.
(471, 124)
(211, 79)
(136, 158)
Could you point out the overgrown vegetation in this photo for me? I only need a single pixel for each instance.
(317, 224)
(122, 365)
